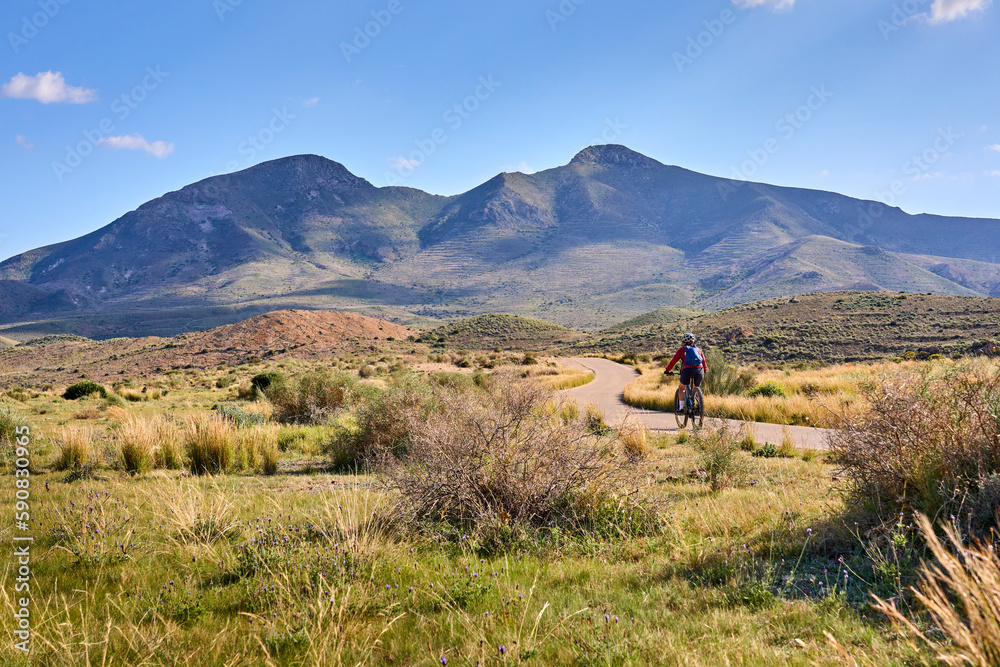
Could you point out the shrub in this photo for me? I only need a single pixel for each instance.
(76, 448)
(84, 389)
(719, 455)
(503, 465)
(385, 423)
(264, 381)
(313, 398)
(241, 418)
(724, 378)
(769, 389)
(927, 444)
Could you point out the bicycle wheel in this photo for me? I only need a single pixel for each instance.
(698, 413)
(680, 416)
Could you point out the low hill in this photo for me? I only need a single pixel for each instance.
(824, 327)
(655, 318)
(511, 332)
(278, 335)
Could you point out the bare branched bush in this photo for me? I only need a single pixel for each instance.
(960, 589)
(504, 461)
(927, 444)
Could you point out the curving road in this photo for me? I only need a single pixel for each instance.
(607, 392)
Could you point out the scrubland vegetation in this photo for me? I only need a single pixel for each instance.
(454, 510)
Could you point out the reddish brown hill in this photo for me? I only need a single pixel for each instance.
(302, 334)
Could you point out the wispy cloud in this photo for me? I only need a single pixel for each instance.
(778, 4)
(133, 142)
(522, 167)
(311, 102)
(23, 142)
(995, 148)
(943, 11)
(47, 88)
(995, 172)
(402, 163)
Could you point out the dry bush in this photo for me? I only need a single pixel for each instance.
(502, 462)
(928, 444)
(87, 413)
(313, 398)
(960, 590)
(385, 423)
(76, 447)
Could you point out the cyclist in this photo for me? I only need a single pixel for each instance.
(693, 368)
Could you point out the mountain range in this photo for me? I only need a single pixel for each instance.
(609, 236)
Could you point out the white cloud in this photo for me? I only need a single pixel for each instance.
(995, 172)
(131, 142)
(23, 142)
(522, 167)
(995, 148)
(778, 4)
(943, 11)
(46, 87)
(311, 102)
(404, 164)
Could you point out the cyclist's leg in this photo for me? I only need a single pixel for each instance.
(685, 382)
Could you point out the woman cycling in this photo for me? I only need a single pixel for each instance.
(693, 368)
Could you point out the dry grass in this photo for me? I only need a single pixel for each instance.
(823, 398)
(567, 378)
(634, 437)
(208, 444)
(144, 442)
(76, 447)
(196, 515)
(214, 446)
(960, 589)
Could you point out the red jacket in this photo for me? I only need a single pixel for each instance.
(680, 355)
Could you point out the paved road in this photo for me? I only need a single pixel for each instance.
(606, 391)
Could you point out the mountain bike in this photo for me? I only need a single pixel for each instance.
(693, 406)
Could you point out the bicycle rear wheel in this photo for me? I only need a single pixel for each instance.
(698, 413)
(680, 415)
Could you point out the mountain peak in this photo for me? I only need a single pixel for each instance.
(608, 154)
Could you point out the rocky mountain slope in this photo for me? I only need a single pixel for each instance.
(609, 236)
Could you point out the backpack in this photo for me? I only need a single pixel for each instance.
(693, 356)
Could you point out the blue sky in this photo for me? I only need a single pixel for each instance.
(105, 107)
